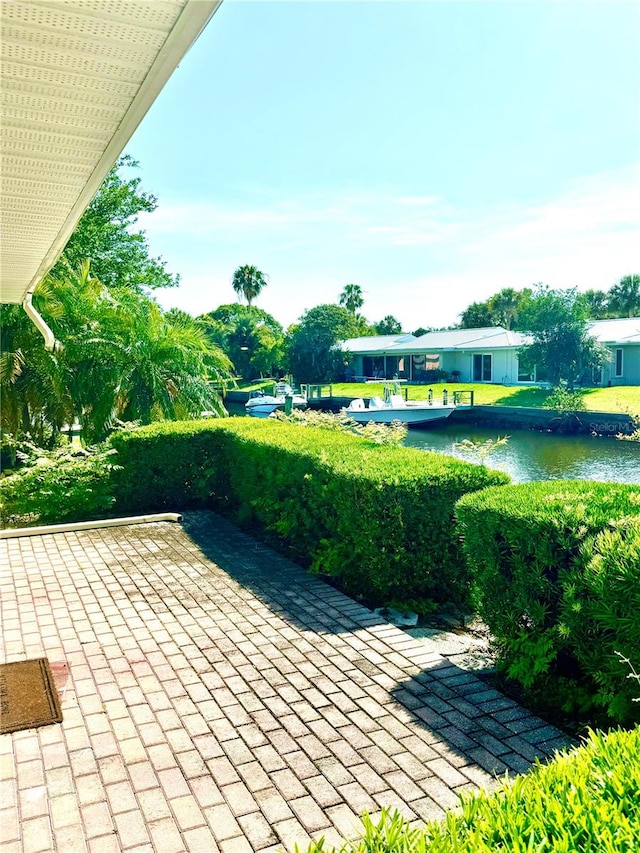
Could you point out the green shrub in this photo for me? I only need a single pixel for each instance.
(600, 616)
(557, 579)
(68, 484)
(563, 400)
(584, 800)
(167, 465)
(379, 519)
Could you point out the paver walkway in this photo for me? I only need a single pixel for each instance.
(217, 697)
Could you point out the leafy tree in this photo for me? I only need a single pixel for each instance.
(557, 321)
(477, 316)
(251, 338)
(351, 298)
(311, 343)
(106, 235)
(248, 282)
(388, 326)
(624, 296)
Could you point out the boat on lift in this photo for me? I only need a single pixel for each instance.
(393, 407)
(261, 405)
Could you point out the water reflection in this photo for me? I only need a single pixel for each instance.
(541, 456)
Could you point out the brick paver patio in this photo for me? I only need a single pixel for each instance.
(218, 698)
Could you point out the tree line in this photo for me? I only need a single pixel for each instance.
(125, 359)
(508, 307)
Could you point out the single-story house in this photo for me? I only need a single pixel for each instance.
(622, 337)
(484, 355)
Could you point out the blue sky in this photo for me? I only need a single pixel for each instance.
(431, 152)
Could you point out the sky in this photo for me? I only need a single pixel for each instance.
(430, 152)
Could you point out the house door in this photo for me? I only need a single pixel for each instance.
(482, 367)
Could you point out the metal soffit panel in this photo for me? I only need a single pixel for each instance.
(76, 79)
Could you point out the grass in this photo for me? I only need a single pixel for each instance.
(623, 398)
(254, 385)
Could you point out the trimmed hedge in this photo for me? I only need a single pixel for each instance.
(379, 519)
(556, 575)
(584, 800)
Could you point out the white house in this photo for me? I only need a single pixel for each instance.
(484, 355)
(622, 337)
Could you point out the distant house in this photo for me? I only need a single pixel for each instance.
(375, 356)
(484, 355)
(622, 337)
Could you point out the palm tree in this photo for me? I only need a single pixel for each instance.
(121, 358)
(248, 281)
(168, 364)
(35, 401)
(351, 297)
(506, 305)
(624, 296)
(598, 303)
(388, 326)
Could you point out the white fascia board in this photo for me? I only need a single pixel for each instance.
(192, 21)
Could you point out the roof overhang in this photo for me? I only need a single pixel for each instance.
(77, 79)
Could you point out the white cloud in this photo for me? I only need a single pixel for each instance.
(417, 257)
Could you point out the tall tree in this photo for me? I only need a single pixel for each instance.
(388, 326)
(248, 282)
(311, 343)
(506, 305)
(557, 321)
(251, 338)
(624, 296)
(476, 316)
(351, 298)
(107, 236)
(598, 304)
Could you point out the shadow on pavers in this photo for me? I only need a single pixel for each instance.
(468, 724)
(480, 723)
(286, 588)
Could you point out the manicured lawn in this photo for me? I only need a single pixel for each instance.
(619, 399)
(254, 385)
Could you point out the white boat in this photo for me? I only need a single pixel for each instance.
(261, 405)
(395, 408)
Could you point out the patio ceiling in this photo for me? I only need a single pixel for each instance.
(78, 76)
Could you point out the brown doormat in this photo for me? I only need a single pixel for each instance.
(28, 697)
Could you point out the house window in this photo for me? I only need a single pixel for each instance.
(619, 362)
(482, 367)
(525, 373)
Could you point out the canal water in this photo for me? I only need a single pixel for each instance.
(530, 455)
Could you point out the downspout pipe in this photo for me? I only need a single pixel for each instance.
(75, 526)
(50, 342)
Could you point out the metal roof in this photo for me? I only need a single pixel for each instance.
(450, 339)
(623, 331)
(487, 338)
(77, 78)
(375, 343)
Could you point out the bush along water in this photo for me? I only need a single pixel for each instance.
(378, 519)
(556, 576)
(584, 800)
